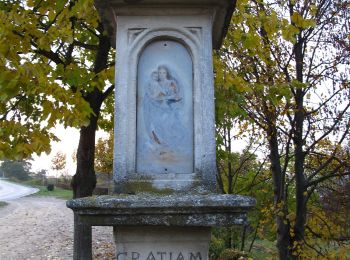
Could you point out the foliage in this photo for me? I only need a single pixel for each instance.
(281, 79)
(31, 182)
(336, 198)
(58, 162)
(40, 174)
(33, 89)
(261, 248)
(16, 169)
(233, 254)
(58, 69)
(217, 243)
(250, 177)
(104, 154)
(282, 82)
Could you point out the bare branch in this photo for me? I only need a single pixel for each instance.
(108, 91)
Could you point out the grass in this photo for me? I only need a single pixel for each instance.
(43, 192)
(263, 249)
(3, 204)
(57, 193)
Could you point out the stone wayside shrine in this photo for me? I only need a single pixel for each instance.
(164, 200)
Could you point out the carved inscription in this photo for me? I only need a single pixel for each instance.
(151, 256)
(159, 256)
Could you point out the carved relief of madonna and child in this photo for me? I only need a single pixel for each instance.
(162, 103)
(163, 89)
(165, 137)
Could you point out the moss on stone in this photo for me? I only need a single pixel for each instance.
(138, 186)
(3, 204)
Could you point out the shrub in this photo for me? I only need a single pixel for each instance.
(50, 187)
(233, 254)
(34, 182)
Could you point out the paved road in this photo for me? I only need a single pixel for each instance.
(11, 191)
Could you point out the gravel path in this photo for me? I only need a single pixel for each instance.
(42, 228)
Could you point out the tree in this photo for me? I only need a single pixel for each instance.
(58, 162)
(16, 169)
(58, 68)
(41, 175)
(286, 91)
(243, 173)
(104, 154)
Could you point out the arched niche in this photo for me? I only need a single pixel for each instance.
(165, 123)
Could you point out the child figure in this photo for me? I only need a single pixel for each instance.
(168, 85)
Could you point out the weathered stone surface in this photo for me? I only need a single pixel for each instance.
(144, 200)
(171, 210)
(220, 10)
(162, 243)
(161, 184)
(134, 35)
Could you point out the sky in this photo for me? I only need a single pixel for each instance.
(68, 144)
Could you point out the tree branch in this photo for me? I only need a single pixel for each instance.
(108, 91)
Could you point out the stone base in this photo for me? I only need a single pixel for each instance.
(150, 227)
(157, 210)
(162, 243)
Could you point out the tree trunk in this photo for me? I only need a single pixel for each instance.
(283, 228)
(243, 237)
(84, 180)
(300, 182)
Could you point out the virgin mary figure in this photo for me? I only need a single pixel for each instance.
(162, 103)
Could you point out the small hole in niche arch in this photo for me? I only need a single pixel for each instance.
(165, 44)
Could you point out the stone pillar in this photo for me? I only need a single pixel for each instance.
(164, 199)
(164, 120)
(82, 239)
(165, 128)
